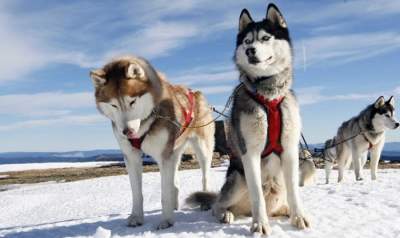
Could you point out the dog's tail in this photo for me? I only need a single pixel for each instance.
(203, 199)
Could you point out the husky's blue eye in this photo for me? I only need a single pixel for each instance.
(265, 38)
(247, 41)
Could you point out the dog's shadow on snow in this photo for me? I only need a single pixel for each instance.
(186, 221)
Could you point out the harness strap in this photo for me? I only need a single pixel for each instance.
(369, 142)
(187, 115)
(136, 142)
(274, 113)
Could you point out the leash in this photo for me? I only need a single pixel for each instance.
(220, 113)
(320, 150)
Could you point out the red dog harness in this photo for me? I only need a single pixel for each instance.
(370, 145)
(187, 115)
(274, 113)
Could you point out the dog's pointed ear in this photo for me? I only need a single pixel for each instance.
(244, 20)
(380, 102)
(98, 77)
(391, 101)
(275, 16)
(135, 71)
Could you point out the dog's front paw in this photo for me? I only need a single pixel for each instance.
(134, 220)
(261, 227)
(227, 217)
(165, 224)
(301, 222)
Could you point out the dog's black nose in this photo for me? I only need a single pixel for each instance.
(125, 131)
(251, 51)
(397, 125)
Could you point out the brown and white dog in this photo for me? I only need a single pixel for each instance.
(151, 116)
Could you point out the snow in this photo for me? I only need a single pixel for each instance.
(31, 166)
(99, 208)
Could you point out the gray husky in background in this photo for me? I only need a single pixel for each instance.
(263, 176)
(367, 133)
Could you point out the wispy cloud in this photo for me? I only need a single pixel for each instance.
(313, 95)
(87, 35)
(44, 104)
(345, 48)
(24, 111)
(215, 89)
(333, 11)
(58, 121)
(195, 78)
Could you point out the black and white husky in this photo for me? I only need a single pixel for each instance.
(264, 130)
(362, 133)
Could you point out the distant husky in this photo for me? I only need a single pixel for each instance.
(146, 113)
(367, 133)
(264, 130)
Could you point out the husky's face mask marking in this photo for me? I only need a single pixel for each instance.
(263, 48)
(123, 93)
(384, 116)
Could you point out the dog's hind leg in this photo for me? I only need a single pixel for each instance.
(344, 157)
(231, 193)
(364, 157)
(204, 151)
(328, 169)
(375, 156)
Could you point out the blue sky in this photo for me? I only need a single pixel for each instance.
(346, 55)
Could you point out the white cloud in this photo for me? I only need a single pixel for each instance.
(45, 104)
(155, 40)
(19, 54)
(209, 78)
(353, 9)
(59, 122)
(340, 49)
(87, 34)
(313, 95)
(215, 89)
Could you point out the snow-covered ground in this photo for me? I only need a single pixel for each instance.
(99, 207)
(30, 166)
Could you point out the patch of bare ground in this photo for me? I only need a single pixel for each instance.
(74, 174)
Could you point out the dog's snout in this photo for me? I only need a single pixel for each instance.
(251, 51)
(125, 131)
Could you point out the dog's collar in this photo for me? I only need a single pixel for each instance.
(251, 84)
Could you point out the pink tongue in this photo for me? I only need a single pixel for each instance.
(132, 135)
